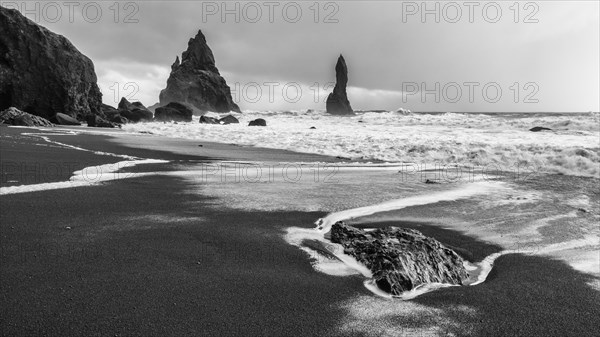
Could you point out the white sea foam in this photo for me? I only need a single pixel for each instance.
(89, 176)
(499, 141)
(343, 264)
(370, 316)
(465, 191)
(45, 137)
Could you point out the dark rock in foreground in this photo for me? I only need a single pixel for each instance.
(337, 101)
(14, 116)
(539, 128)
(400, 259)
(42, 72)
(62, 119)
(258, 122)
(174, 112)
(134, 112)
(196, 80)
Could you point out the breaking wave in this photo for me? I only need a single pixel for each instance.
(501, 142)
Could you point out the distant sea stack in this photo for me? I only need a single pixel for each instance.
(337, 101)
(196, 81)
(42, 72)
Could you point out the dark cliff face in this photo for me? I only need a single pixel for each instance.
(196, 80)
(337, 101)
(42, 72)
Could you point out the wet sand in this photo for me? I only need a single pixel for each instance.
(143, 256)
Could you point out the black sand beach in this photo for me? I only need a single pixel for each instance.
(149, 184)
(141, 257)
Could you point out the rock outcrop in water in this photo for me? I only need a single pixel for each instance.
(399, 258)
(99, 122)
(134, 112)
(539, 128)
(258, 122)
(337, 101)
(113, 114)
(229, 119)
(42, 72)
(196, 80)
(173, 112)
(209, 120)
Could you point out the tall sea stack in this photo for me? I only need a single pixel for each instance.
(42, 72)
(196, 81)
(337, 101)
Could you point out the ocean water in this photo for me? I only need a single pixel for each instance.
(490, 142)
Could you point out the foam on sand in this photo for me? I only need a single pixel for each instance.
(89, 176)
(44, 136)
(326, 257)
(465, 191)
(371, 316)
(329, 258)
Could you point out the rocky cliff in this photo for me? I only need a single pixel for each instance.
(337, 101)
(196, 80)
(42, 72)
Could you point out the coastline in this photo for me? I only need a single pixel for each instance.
(139, 257)
(241, 186)
(144, 256)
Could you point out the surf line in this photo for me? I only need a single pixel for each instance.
(88, 176)
(329, 258)
(465, 191)
(44, 136)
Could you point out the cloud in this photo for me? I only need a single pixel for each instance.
(383, 47)
(134, 81)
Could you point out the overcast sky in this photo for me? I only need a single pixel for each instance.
(476, 58)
